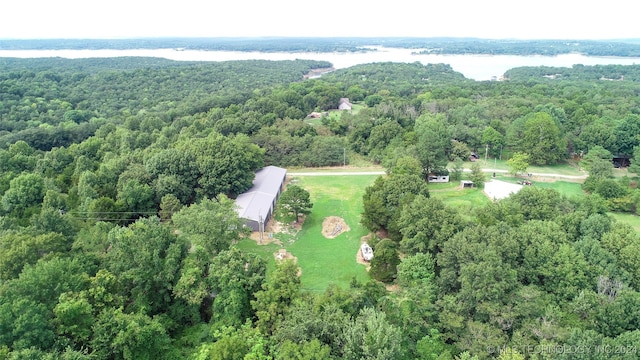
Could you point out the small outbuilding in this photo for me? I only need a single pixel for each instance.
(466, 184)
(256, 206)
(344, 104)
(438, 178)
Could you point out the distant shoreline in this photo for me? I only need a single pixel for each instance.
(442, 46)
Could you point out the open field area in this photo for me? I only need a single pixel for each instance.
(568, 188)
(625, 218)
(467, 201)
(565, 168)
(324, 261)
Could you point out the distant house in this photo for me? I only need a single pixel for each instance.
(314, 115)
(438, 178)
(621, 161)
(344, 104)
(257, 204)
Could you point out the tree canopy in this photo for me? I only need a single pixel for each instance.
(119, 238)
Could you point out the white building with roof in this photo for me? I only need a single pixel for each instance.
(256, 205)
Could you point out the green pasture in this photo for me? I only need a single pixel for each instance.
(467, 201)
(626, 218)
(333, 261)
(366, 167)
(325, 261)
(563, 168)
(566, 188)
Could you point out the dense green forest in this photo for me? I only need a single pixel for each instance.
(624, 47)
(118, 232)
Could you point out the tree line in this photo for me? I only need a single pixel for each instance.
(625, 47)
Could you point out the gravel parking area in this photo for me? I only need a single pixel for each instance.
(496, 189)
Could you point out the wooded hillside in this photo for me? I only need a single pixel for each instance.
(118, 233)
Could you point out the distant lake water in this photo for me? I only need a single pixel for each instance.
(477, 67)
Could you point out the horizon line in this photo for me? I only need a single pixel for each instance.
(271, 37)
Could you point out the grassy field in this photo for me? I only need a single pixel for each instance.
(567, 188)
(626, 218)
(367, 167)
(335, 113)
(333, 261)
(467, 201)
(324, 261)
(561, 169)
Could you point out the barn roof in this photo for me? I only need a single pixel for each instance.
(259, 199)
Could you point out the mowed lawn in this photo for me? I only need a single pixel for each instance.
(466, 201)
(631, 219)
(333, 261)
(565, 168)
(325, 261)
(567, 188)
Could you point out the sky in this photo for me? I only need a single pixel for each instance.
(491, 19)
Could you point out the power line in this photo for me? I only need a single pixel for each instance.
(117, 212)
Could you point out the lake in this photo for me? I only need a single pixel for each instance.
(477, 67)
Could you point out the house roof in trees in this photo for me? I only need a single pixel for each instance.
(344, 104)
(260, 198)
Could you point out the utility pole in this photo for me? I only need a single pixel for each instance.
(260, 228)
(486, 152)
(495, 164)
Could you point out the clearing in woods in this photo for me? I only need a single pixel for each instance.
(323, 259)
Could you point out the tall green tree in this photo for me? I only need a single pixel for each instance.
(635, 163)
(295, 201)
(477, 175)
(626, 134)
(207, 229)
(146, 258)
(278, 292)
(426, 224)
(542, 139)
(383, 201)
(457, 169)
(433, 142)
(385, 261)
(595, 153)
(25, 191)
(235, 277)
(372, 337)
(494, 139)
(518, 163)
(130, 336)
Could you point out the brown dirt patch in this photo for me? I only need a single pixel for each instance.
(283, 254)
(392, 287)
(297, 226)
(333, 226)
(271, 231)
(382, 234)
(359, 258)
